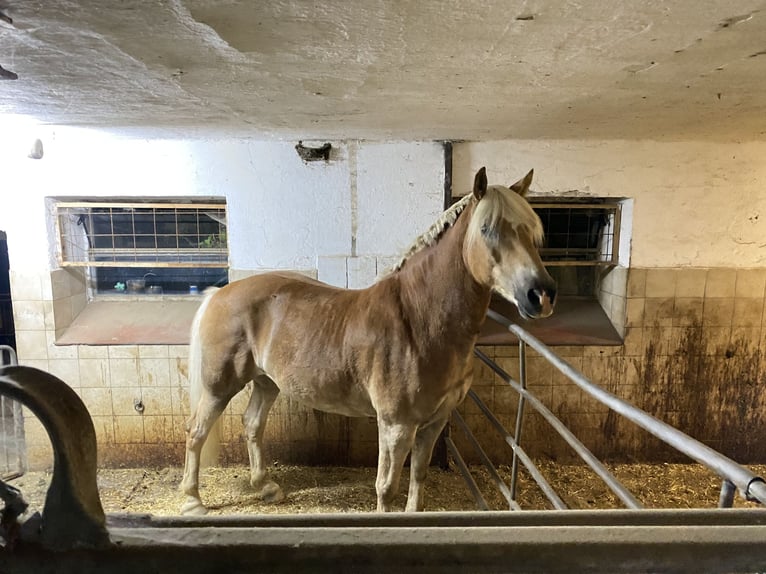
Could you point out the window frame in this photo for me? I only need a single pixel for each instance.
(197, 257)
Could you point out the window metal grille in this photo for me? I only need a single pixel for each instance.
(155, 247)
(579, 233)
(141, 234)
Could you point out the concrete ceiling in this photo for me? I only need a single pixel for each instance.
(377, 69)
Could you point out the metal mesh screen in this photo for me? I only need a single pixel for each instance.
(579, 234)
(141, 234)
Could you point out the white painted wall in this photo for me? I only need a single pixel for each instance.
(696, 204)
(369, 201)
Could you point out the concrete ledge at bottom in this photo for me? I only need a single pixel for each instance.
(165, 322)
(360, 546)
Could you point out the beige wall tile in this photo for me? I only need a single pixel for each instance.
(77, 281)
(618, 309)
(50, 317)
(94, 373)
(632, 345)
(78, 302)
(68, 370)
(179, 372)
(745, 340)
(123, 351)
(93, 351)
(687, 311)
(123, 400)
(750, 283)
(716, 340)
(619, 282)
(636, 282)
(634, 312)
(98, 401)
(720, 283)
(567, 351)
(124, 373)
(179, 428)
(179, 397)
(658, 311)
(178, 351)
(31, 345)
(154, 372)
(104, 426)
(506, 400)
(153, 352)
(507, 350)
(62, 313)
(157, 401)
(661, 282)
(129, 428)
(691, 282)
(26, 286)
(747, 312)
(29, 315)
(159, 429)
(59, 282)
(59, 351)
(718, 312)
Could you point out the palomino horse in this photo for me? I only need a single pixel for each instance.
(399, 350)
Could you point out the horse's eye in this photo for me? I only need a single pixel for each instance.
(485, 229)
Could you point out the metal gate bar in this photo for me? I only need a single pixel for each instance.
(537, 476)
(501, 486)
(590, 459)
(750, 486)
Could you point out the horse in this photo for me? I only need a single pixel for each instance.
(399, 350)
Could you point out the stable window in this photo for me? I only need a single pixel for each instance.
(580, 247)
(150, 247)
(582, 238)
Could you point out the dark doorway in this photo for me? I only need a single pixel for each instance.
(7, 333)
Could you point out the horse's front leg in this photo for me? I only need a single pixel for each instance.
(394, 442)
(425, 439)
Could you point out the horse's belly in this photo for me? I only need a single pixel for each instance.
(326, 391)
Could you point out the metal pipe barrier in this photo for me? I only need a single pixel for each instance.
(734, 476)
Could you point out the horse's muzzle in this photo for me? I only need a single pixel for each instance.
(539, 302)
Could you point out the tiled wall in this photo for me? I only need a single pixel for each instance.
(692, 355)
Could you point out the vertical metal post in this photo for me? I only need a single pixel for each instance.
(440, 454)
(519, 415)
(728, 490)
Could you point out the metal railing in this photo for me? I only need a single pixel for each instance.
(13, 461)
(734, 476)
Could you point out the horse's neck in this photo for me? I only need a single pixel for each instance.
(438, 291)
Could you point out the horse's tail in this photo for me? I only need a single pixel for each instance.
(212, 446)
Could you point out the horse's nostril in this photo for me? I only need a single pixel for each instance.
(534, 296)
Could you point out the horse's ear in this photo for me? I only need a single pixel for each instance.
(522, 186)
(480, 183)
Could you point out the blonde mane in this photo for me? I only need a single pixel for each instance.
(432, 235)
(498, 204)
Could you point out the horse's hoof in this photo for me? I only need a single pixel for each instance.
(271, 493)
(193, 507)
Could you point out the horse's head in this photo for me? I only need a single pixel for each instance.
(501, 245)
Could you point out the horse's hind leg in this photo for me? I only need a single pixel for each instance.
(394, 442)
(198, 427)
(264, 394)
(425, 439)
